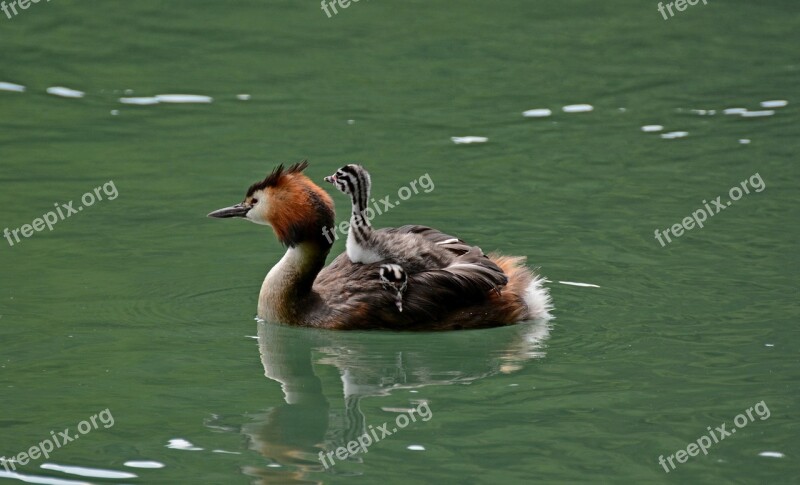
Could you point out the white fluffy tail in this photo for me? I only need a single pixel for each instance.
(537, 297)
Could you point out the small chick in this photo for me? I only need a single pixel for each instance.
(394, 278)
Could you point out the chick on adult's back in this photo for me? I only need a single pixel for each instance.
(402, 253)
(412, 251)
(469, 290)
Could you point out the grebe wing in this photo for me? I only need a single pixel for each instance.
(446, 241)
(470, 276)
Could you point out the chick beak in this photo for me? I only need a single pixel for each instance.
(331, 179)
(238, 210)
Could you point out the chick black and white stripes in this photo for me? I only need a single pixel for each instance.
(358, 184)
(394, 278)
(355, 181)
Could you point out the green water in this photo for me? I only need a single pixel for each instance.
(142, 306)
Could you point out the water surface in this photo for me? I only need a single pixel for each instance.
(142, 306)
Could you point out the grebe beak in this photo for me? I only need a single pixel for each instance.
(238, 210)
(331, 179)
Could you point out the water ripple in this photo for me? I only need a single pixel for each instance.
(674, 134)
(757, 114)
(734, 111)
(466, 140)
(182, 444)
(41, 480)
(17, 88)
(183, 98)
(65, 92)
(537, 113)
(141, 101)
(143, 464)
(87, 472)
(578, 108)
(775, 103)
(575, 283)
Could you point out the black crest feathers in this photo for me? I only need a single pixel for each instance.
(274, 178)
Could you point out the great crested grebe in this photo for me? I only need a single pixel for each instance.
(470, 290)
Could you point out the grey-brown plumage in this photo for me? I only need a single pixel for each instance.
(461, 290)
(408, 252)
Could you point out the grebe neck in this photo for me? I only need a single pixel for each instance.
(360, 246)
(286, 294)
(360, 227)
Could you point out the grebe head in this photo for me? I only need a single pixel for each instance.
(353, 180)
(290, 202)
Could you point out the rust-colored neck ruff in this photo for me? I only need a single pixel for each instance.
(299, 210)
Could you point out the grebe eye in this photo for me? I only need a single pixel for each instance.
(254, 202)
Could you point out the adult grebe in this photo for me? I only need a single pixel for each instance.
(469, 291)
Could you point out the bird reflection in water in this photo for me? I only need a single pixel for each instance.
(324, 376)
